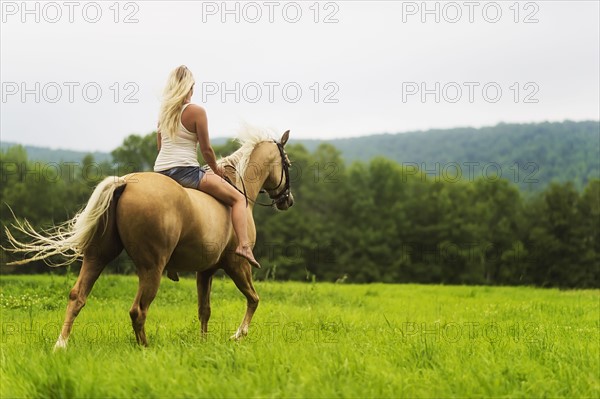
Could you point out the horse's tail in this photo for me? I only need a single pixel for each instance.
(69, 239)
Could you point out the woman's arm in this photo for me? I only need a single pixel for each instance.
(201, 122)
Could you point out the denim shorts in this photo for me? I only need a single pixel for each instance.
(187, 176)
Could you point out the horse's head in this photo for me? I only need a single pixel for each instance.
(277, 184)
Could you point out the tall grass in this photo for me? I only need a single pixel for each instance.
(307, 340)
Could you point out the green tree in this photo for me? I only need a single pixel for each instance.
(136, 154)
(498, 208)
(556, 240)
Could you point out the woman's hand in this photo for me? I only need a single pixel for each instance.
(219, 171)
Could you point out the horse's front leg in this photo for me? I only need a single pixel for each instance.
(241, 274)
(204, 284)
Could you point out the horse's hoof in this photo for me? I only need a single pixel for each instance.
(172, 275)
(58, 348)
(236, 337)
(60, 345)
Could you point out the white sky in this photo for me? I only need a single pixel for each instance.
(371, 61)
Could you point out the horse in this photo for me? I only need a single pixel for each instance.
(162, 225)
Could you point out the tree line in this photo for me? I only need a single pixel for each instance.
(375, 221)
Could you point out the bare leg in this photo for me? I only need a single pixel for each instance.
(242, 277)
(148, 287)
(214, 185)
(203, 284)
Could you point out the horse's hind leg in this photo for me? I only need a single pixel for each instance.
(105, 247)
(90, 271)
(148, 287)
(241, 274)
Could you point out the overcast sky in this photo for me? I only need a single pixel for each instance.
(84, 75)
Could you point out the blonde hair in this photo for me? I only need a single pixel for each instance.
(177, 89)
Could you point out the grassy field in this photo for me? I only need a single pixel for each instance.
(307, 340)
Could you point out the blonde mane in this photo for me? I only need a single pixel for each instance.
(248, 138)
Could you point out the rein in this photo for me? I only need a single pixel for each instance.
(285, 173)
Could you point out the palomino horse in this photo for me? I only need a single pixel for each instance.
(163, 225)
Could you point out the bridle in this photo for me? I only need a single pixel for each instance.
(284, 194)
(285, 173)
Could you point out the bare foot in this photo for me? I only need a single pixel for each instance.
(246, 252)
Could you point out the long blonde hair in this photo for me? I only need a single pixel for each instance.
(178, 87)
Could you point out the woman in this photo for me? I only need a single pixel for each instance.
(182, 126)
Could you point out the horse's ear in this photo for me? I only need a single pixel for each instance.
(285, 137)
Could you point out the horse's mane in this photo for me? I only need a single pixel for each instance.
(248, 138)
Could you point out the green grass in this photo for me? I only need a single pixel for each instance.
(307, 340)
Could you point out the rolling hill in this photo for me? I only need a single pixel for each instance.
(530, 155)
(56, 155)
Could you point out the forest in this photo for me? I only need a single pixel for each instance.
(375, 220)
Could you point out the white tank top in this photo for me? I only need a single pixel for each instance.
(183, 151)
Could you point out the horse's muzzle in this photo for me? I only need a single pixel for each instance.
(285, 202)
